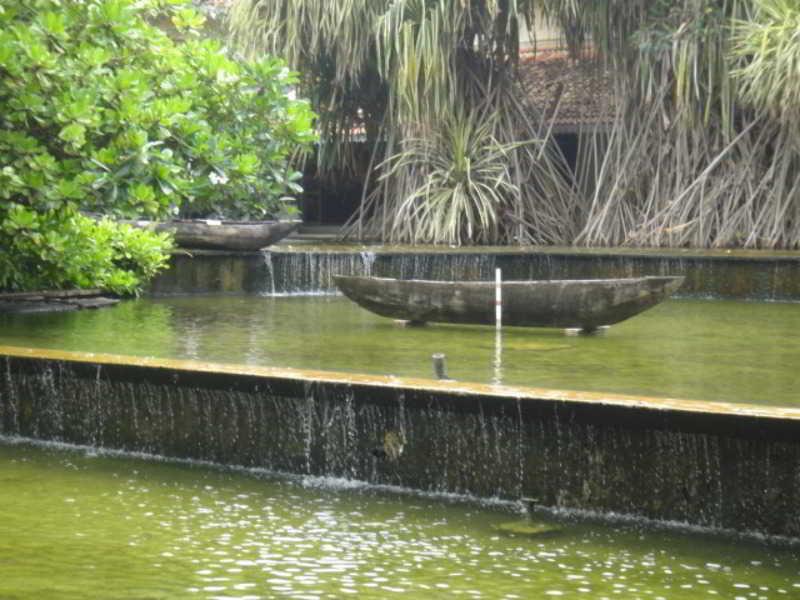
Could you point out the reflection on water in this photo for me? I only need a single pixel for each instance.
(712, 350)
(79, 525)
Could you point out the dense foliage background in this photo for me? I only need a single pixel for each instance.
(458, 155)
(103, 112)
(702, 152)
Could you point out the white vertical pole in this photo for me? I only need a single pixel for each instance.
(498, 298)
(498, 357)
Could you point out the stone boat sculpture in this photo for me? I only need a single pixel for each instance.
(223, 235)
(567, 303)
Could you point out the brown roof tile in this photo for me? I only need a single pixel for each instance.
(587, 97)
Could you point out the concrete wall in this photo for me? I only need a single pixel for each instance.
(749, 275)
(717, 465)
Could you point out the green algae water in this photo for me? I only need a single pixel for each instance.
(696, 349)
(75, 524)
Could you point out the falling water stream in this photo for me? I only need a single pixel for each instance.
(742, 274)
(311, 274)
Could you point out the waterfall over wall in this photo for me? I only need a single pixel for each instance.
(727, 470)
(311, 271)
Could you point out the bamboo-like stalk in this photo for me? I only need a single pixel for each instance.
(703, 150)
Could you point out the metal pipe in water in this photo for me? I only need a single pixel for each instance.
(440, 366)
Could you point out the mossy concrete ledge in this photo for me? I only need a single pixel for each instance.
(706, 463)
(211, 271)
(745, 274)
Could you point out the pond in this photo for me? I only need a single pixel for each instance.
(75, 523)
(732, 351)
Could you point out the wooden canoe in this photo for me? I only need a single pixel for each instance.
(567, 303)
(225, 235)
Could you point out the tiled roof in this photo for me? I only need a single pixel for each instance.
(587, 98)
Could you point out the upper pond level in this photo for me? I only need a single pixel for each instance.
(103, 527)
(744, 352)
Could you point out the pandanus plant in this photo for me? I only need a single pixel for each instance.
(415, 78)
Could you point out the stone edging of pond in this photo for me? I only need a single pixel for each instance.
(54, 301)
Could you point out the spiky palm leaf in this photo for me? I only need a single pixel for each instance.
(467, 193)
(767, 49)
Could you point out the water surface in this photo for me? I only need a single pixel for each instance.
(697, 349)
(75, 524)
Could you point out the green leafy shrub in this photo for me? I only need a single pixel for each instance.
(68, 249)
(101, 111)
